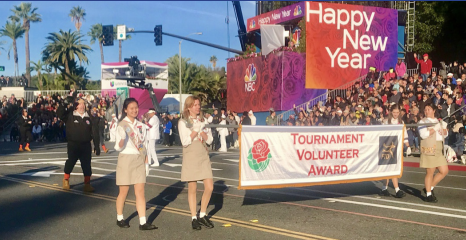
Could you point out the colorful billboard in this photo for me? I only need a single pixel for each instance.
(261, 83)
(276, 16)
(343, 41)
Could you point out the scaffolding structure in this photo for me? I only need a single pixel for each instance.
(410, 8)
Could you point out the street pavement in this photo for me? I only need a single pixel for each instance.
(33, 205)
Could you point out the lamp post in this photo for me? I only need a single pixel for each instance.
(197, 33)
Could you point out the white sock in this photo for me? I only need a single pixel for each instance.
(201, 214)
(193, 217)
(429, 193)
(431, 188)
(397, 189)
(120, 217)
(142, 220)
(385, 188)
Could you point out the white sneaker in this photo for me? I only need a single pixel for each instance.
(463, 160)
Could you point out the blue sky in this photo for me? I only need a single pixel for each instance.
(180, 18)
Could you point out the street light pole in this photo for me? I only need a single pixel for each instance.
(179, 46)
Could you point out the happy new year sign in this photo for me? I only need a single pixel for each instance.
(276, 156)
(343, 41)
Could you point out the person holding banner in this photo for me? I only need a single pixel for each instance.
(394, 117)
(432, 147)
(196, 163)
(131, 170)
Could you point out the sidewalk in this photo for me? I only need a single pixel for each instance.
(413, 161)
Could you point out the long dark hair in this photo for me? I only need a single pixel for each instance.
(125, 106)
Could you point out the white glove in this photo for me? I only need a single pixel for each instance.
(202, 126)
(408, 151)
(121, 133)
(196, 126)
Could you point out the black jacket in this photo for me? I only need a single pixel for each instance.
(78, 129)
(24, 125)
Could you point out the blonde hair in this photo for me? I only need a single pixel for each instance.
(188, 103)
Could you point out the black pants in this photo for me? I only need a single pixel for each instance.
(216, 141)
(166, 139)
(26, 138)
(96, 141)
(81, 151)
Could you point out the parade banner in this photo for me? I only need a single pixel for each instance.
(276, 16)
(343, 41)
(276, 157)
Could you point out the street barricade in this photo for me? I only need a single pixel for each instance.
(276, 156)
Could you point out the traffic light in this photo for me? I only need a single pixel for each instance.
(107, 35)
(158, 35)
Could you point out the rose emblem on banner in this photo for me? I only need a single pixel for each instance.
(259, 155)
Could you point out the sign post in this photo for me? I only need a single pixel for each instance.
(121, 32)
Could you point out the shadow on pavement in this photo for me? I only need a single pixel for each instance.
(26, 208)
(168, 195)
(217, 197)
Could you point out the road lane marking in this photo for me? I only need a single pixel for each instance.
(224, 220)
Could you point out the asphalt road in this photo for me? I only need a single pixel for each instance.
(33, 205)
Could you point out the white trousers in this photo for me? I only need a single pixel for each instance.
(112, 134)
(151, 154)
(223, 143)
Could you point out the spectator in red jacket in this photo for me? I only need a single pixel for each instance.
(426, 66)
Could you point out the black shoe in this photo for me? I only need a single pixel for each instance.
(206, 222)
(122, 224)
(425, 192)
(147, 226)
(400, 194)
(432, 199)
(384, 193)
(195, 224)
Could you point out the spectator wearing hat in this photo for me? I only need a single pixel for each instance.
(2, 81)
(426, 65)
(272, 119)
(396, 96)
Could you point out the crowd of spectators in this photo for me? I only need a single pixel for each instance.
(368, 102)
(11, 82)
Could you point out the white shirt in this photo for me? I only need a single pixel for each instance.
(253, 119)
(153, 125)
(128, 146)
(113, 123)
(185, 133)
(424, 131)
(395, 121)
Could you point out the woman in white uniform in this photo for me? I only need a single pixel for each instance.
(196, 165)
(131, 170)
(432, 156)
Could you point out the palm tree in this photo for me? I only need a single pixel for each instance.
(28, 14)
(2, 43)
(188, 71)
(77, 15)
(96, 35)
(115, 37)
(38, 67)
(213, 60)
(64, 47)
(14, 31)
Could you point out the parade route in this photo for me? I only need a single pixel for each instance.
(33, 204)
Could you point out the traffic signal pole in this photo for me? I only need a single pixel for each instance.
(195, 41)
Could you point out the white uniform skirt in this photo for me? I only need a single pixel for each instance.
(131, 169)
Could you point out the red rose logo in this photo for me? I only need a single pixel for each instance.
(260, 150)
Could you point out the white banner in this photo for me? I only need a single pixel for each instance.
(276, 156)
